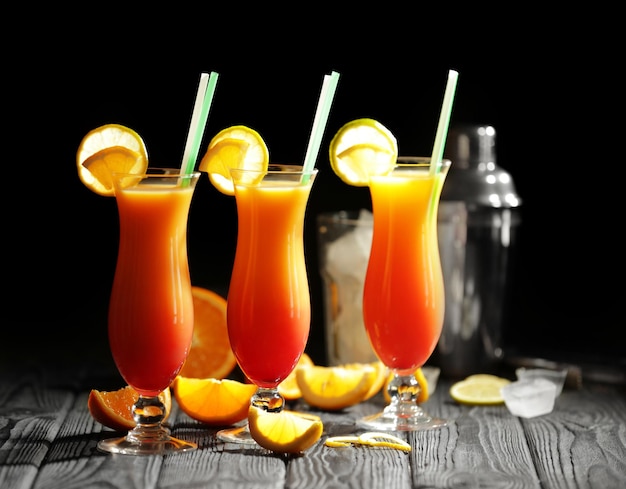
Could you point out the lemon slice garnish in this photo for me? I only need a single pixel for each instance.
(234, 147)
(360, 149)
(107, 149)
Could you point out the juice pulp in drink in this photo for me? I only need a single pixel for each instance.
(269, 310)
(403, 300)
(151, 307)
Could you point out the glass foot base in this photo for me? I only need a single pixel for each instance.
(385, 421)
(142, 444)
(240, 435)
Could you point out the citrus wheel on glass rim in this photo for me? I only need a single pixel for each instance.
(234, 147)
(107, 149)
(360, 149)
(210, 354)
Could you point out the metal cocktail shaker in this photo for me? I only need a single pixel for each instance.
(478, 277)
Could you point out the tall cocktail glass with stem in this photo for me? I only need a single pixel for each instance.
(403, 298)
(151, 306)
(269, 310)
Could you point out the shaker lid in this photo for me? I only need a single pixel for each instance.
(474, 176)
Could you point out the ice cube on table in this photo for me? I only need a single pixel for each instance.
(555, 376)
(528, 398)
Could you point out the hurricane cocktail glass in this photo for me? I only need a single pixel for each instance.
(403, 299)
(151, 309)
(269, 310)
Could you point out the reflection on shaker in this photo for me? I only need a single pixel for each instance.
(473, 333)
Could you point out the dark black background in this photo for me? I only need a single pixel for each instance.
(549, 85)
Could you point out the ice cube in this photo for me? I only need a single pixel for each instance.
(556, 376)
(529, 397)
(349, 254)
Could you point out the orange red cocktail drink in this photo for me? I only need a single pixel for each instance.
(403, 295)
(403, 299)
(269, 310)
(151, 307)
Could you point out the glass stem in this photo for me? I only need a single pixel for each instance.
(148, 413)
(403, 391)
(269, 400)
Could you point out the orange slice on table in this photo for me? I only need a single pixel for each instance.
(479, 390)
(360, 149)
(288, 388)
(233, 147)
(421, 379)
(212, 401)
(380, 379)
(210, 355)
(107, 149)
(286, 431)
(113, 409)
(335, 388)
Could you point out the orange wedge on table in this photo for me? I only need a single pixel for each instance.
(107, 149)
(288, 388)
(286, 431)
(335, 388)
(113, 409)
(379, 380)
(210, 355)
(212, 401)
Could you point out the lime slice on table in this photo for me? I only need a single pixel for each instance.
(479, 389)
(360, 149)
(234, 147)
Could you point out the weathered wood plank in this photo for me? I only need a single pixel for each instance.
(30, 418)
(582, 443)
(484, 446)
(74, 462)
(219, 465)
(48, 441)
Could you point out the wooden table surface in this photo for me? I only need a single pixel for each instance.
(48, 440)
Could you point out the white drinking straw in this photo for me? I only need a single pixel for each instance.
(327, 93)
(444, 121)
(204, 96)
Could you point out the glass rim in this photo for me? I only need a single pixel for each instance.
(161, 172)
(279, 168)
(419, 160)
